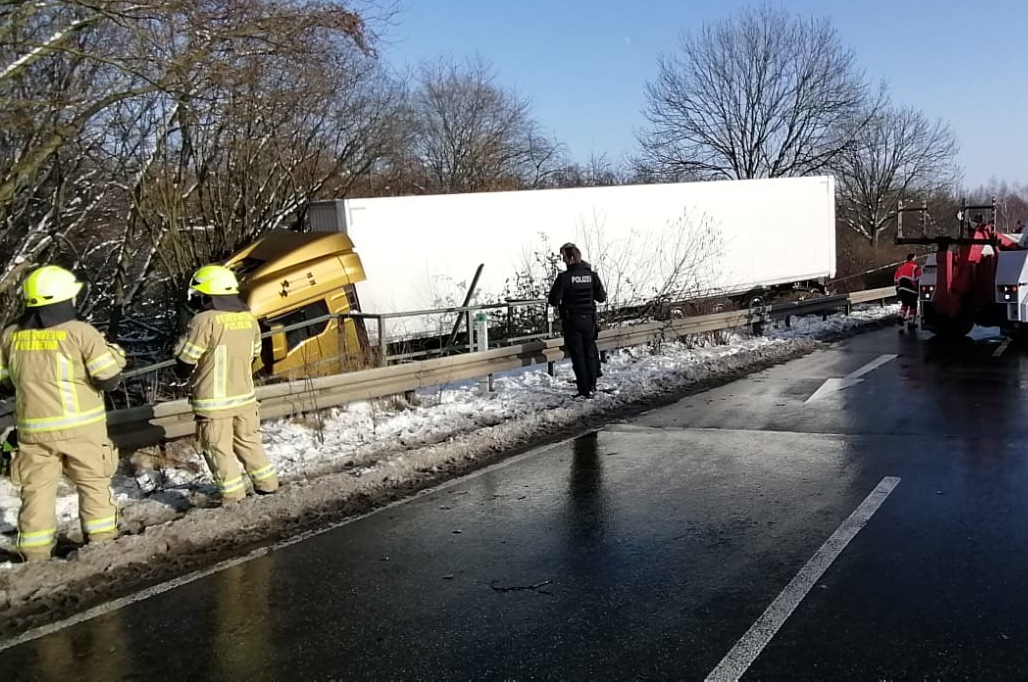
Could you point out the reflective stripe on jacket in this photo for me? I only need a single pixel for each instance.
(51, 370)
(906, 284)
(223, 346)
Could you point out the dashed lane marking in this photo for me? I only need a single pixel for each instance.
(741, 657)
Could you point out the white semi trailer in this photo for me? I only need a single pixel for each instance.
(748, 240)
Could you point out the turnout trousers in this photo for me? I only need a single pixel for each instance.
(226, 441)
(89, 459)
(580, 342)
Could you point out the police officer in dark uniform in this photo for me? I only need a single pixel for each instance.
(575, 293)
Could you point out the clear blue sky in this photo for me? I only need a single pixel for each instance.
(584, 63)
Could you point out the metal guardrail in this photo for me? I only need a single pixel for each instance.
(152, 424)
(157, 381)
(382, 338)
(871, 295)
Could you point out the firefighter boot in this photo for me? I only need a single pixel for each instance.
(34, 557)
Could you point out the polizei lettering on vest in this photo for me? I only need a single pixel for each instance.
(581, 279)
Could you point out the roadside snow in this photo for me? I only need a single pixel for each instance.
(363, 437)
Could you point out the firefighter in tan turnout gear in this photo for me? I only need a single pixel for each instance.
(59, 366)
(217, 353)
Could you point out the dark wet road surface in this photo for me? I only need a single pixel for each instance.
(647, 550)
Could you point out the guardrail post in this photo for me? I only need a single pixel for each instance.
(481, 343)
(510, 322)
(341, 340)
(383, 346)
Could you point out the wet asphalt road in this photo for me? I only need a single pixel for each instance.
(648, 549)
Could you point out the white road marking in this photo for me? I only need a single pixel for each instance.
(741, 657)
(831, 386)
(1002, 348)
(852, 379)
(114, 605)
(871, 366)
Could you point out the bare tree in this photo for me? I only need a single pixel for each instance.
(1011, 202)
(470, 134)
(598, 171)
(899, 152)
(124, 125)
(763, 94)
(649, 267)
(51, 185)
(245, 153)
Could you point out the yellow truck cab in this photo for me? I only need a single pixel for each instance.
(292, 277)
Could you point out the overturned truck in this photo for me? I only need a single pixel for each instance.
(740, 243)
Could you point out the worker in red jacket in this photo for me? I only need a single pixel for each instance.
(906, 278)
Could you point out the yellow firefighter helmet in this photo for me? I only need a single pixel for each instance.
(50, 284)
(214, 280)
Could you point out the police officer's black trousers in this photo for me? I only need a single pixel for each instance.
(580, 342)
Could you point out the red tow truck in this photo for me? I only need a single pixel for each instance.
(977, 277)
